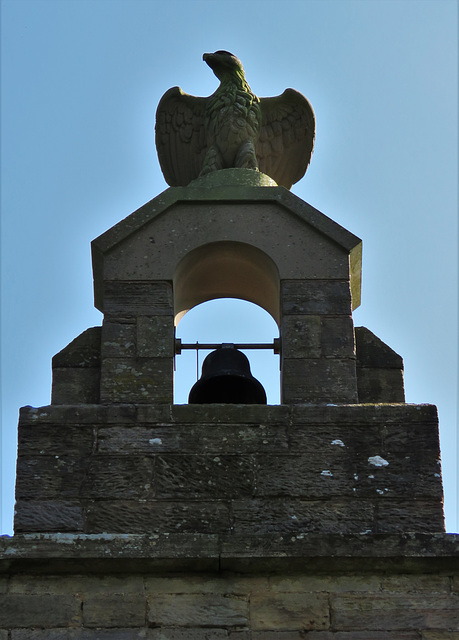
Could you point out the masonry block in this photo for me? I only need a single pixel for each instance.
(289, 611)
(140, 380)
(119, 339)
(48, 515)
(302, 336)
(130, 299)
(379, 369)
(315, 297)
(394, 611)
(337, 337)
(203, 610)
(129, 516)
(114, 610)
(76, 370)
(155, 337)
(40, 610)
(318, 380)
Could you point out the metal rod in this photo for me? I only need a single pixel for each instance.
(180, 346)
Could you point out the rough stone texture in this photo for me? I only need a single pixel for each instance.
(301, 240)
(318, 355)
(76, 370)
(309, 266)
(198, 610)
(48, 515)
(39, 610)
(241, 469)
(379, 369)
(64, 587)
(318, 380)
(136, 379)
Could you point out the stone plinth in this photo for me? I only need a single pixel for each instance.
(220, 469)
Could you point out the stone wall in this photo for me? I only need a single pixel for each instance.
(108, 588)
(216, 469)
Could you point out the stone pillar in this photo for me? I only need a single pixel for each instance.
(318, 351)
(137, 346)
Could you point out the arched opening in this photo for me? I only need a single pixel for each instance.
(227, 320)
(233, 292)
(226, 270)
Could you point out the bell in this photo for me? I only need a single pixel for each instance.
(226, 378)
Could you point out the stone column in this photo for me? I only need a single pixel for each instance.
(318, 350)
(137, 347)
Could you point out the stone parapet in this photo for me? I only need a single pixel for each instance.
(218, 469)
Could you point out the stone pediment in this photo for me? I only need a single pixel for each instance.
(241, 206)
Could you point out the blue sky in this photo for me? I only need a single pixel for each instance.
(81, 80)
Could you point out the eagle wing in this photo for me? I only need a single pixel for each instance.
(286, 139)
(180, 136)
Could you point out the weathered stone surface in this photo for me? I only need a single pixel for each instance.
(303, 336)
(373, 352)
(188, 634)
(214, 476)
(229, 414)
(75, 385)
(302, 583)
(380, 385)
(343, 458)
(41, 610)
(79, 634)
(121, 516)
(48, 515)
(289, 611)
(119, 339)
(301, 516)
(141, 380)
(55, 440)
(204, 610)
(85, 585)
(337, 337)
(400, 414)
(342, 635)
(208, 583)
(267, 415)
(45, 477)
(192, 438)
(118, 477)
(110, 610)
(410, 583)
(408, 515)
(83, 351)
(393, 611)
(440, 635)
(155, 337)
(318, 380)
(315, 297)
(379, 369)
(128, 299)
(76, 370)
(66, 416)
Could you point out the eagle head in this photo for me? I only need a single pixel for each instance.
(223, 63)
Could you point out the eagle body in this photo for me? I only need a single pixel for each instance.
(233, 123)
(233, 128)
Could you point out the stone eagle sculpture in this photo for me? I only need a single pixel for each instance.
(233, 128)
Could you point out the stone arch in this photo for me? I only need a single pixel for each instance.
(226, 269)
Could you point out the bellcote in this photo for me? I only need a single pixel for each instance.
(233, 233)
